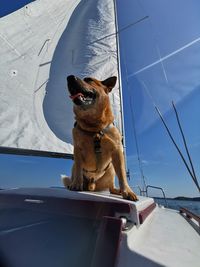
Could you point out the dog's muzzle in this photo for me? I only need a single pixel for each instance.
(79, 91)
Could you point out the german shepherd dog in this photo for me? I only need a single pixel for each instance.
(98, 151)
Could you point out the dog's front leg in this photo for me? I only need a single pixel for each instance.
(119, 166)
(77, 172)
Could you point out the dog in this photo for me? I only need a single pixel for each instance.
(98, 151)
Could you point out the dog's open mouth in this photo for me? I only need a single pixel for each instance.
(83, 98)
(78, 93)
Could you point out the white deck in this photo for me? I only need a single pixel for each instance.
(105, 196)
(165, 239)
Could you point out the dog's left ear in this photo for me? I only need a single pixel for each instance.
(110, 83)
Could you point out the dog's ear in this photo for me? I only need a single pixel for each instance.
(110, 83)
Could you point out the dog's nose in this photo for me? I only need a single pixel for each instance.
(71, 78)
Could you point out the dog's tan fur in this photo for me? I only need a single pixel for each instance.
(100, 170)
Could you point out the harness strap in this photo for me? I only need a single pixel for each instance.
(94, 171)
(97, 142)
(97, 136)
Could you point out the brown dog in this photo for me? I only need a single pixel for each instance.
(98, 152)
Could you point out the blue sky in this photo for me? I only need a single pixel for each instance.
(160, 62)
(10, 6)
(160, 59)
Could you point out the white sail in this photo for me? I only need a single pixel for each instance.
(41, 44)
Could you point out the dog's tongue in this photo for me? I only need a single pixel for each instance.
(76, 96)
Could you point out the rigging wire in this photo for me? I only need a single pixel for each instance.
(133, 123)
(191, 171)
(184, 140)
(132, 24)
(120, 84)
(117, 33)
(185, 144)
(179, 151)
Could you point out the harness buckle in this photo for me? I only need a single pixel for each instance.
(97, 142)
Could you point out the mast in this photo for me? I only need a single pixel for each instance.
(120, 83)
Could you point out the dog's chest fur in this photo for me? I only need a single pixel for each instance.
(89, 157)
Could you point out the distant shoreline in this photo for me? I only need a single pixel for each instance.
(181, 198)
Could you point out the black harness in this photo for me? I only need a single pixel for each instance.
(97, 136)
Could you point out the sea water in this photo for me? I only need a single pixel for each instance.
(193, 206)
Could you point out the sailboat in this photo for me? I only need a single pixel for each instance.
(41, 44)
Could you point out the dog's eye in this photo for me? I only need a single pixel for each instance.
(88, 79)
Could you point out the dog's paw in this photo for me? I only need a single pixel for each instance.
(76, 186)
(91, 186)
(129, 195)
(66, 180)
(115, 191)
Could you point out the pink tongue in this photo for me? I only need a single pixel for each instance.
(75, 96)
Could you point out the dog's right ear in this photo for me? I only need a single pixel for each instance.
(110, 83)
